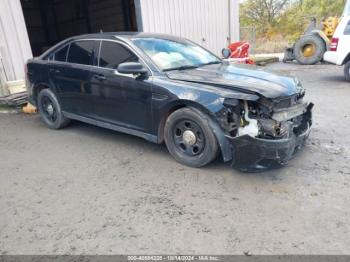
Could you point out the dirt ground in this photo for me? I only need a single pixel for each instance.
(87, 190)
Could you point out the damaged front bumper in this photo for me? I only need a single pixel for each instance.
(255, 154)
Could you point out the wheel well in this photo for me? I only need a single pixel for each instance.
(37, 90)
(172, 110)
(224, 146)
(164, 118)
(347, 59)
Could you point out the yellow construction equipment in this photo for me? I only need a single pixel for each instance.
(329, 26)
(310, 48)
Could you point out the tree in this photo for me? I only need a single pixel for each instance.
(262, 13)
(286, 18)
(294, 21)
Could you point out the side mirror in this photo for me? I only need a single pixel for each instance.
(132, 68)
(226, 53)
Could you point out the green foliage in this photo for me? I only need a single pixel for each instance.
(290, 19)
(261, 13)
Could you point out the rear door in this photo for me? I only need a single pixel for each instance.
(124, 100)
(72, 78)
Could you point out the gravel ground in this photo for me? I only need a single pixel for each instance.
(86, 190)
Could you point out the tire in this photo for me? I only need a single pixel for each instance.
(309, 40)
(347, 71)
(50, 110)
(196, 151)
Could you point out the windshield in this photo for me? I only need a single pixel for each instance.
(170, 55)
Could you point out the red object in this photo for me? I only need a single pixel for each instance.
(334, 44)
(240, 51)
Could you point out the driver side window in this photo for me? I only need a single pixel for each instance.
(112, 54)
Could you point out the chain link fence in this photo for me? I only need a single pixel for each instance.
(248, 34)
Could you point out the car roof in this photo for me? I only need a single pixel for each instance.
(124, 36)
(127, 35)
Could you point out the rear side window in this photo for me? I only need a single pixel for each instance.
(61, 55)
(81, 52)
(112, 54)
(347, 29)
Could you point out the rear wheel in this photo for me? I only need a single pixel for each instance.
(309, 49)
(50, 110)
(347, 71)
(189, 138)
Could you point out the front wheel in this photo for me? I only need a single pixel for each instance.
(189, 138)
(347, 71)
(50, 110)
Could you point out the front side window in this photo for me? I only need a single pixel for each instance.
(81, 52)
(112, 54)
(172, 55)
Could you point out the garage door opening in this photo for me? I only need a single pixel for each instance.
(51, 21)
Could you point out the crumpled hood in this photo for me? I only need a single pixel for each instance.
(243, 78)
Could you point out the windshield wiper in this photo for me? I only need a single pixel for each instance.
(181, 68)
(191, 66)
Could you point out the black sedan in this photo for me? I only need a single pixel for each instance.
(167, 89)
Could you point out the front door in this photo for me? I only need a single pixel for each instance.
(124, 100)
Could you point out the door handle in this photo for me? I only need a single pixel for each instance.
(55, 71)
(100, 77)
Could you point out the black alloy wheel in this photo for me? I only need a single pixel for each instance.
(190, 138)
(50, 110)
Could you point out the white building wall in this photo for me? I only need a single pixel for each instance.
(211, 23)
(14, 42)
(234, 20)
